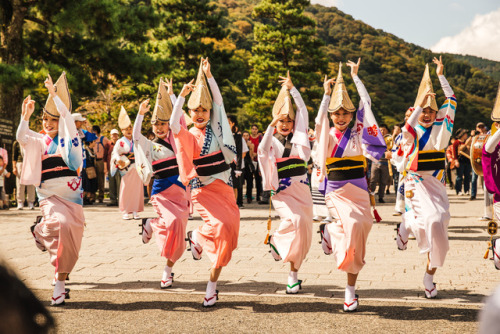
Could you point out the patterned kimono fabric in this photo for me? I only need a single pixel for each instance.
(168, 194)
(131, 187)
(421, 158)
(53, 165)
(204, 161)
(345, 184)
(491, 170)
(282, 162)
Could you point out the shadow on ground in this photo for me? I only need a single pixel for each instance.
(267, 305)
(254, 288)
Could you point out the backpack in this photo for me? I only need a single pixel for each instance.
(99, 153)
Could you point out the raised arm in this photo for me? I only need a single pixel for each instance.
(143, 109)
(302, 116)
(23, 132)
(267, 140)
(445, 117)
(177, 112)
(363, 93)
(448, 91)
(214, 88)
(170, 90)
(323, 108)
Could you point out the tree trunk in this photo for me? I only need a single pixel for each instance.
(11, 95)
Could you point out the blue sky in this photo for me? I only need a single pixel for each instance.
(458, 26)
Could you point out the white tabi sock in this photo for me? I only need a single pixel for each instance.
(428, 281)
(194, 234)
(403, 231)
(211, 287)
(327, 235)
(59, 288)
(350, 293)
(167, 272)
(292, 277)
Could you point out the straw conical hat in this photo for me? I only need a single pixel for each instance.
(425, 87)
(495, 114)
(123, 119)
(163, 106)
(201, 95)
(340, 98)
(283, 105)
(62, 91)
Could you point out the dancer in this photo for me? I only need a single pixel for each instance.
(343, 151)
(319, 205)
(157, 159)
(131, 198)
(204, 155)
(491, 172)
(421, 157)
(399, 207)
(283, 160)
(52, 163)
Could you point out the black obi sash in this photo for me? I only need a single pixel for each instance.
(54, 167)
(165, 168)
(431, 160)
(210, 164)
(288, 167)
(348, 168)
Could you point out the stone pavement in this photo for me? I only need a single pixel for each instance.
(113, 258)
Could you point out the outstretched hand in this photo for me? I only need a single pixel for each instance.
(440, 66)
(286, 81)
(327, 85)
(354, 67)
(50, 86)
(28, 108)
(206, 67)
(187, 88)
(144, 107)
(423, 102)
(170, 86)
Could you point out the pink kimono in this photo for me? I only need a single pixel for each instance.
(53, 165)
(157, 159)
(203, 158)
(346, 189)
(131, 187)
(285, 172)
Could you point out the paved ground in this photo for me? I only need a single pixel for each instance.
(115, 284)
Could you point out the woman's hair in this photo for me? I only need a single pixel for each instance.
(233, 120)
(20, 310)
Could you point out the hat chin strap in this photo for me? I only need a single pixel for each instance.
(202, 123)
(52, 132)
(425, 125)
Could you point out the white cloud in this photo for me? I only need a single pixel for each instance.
(326, 3)
(481, 38)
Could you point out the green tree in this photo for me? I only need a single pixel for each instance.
(189, 30)
(284, 39)
(96, 42)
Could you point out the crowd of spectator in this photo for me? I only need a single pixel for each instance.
(97, 149)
